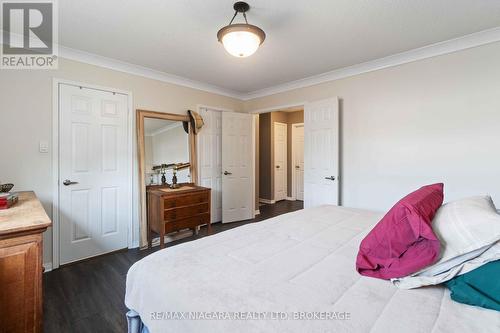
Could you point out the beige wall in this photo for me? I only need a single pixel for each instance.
(432, 120)
(26, 118)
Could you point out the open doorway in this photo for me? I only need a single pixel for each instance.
(281, 156)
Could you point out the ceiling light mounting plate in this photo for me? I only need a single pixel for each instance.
(241, 6)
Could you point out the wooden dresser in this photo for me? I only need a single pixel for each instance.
(172, 210)
(21, 228)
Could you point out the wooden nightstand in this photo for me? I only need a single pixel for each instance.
(21, 228)
(172, 210)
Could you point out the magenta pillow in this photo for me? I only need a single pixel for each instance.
(403, 242)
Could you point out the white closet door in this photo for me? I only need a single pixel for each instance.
(94, 174)
(237, 166)
(298, 158)
(321, 153)
(280, 156)
(210, 158)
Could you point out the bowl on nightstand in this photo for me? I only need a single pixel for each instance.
(6, 187)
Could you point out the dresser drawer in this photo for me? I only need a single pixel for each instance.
(189, 222)
(186, 200)
(186, 211)
(170, 210)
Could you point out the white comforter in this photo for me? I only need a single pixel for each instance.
(298, 263)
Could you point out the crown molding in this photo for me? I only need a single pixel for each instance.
(282, 107)
(429, 51)
(121, 66)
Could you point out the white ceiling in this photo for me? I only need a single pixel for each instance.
(304, 38)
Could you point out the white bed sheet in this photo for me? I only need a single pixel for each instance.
(298, 262)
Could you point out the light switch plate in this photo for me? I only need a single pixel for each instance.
(44, 147)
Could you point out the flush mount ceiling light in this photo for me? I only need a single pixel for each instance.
(241, 39)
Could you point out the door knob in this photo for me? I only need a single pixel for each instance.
(227, 173)
(330, 178)
(297, 167)
(277, 167)
(68, 182)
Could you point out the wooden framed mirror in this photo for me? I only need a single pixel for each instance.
(166, 129)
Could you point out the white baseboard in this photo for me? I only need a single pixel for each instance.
(173, 237)
(47, 266)
(290, 198)
(257, 212)
(267, 201)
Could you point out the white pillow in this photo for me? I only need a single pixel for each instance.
(468, 229)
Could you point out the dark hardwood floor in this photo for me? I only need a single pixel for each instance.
(89, 296)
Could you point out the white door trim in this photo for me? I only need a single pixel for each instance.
(133, 231)
(294, 163)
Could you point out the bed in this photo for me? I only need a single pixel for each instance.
(291, 273)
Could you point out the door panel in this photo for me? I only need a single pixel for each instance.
(210, 158)
(109, 210)
(237, 167)
(280, 156)
(298, 158)
(94, 211)
(321, 153)
(80, 219)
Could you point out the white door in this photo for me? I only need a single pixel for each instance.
(237, 166)
(298, 160)
(210, 159)
(280, 174)
(321, 153)
(94, 174)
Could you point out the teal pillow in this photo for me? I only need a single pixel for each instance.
(480, 287)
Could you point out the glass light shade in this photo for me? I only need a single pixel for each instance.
(241, 43)
(241, 40)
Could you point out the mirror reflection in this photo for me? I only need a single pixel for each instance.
(166, 152)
